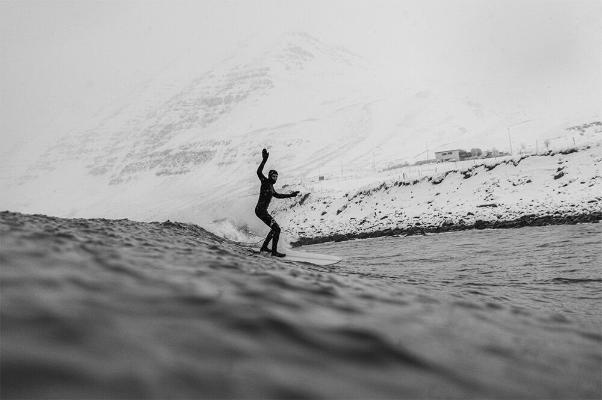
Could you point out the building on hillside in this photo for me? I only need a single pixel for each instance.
(452, 155)
(494, 153)
(476, 152)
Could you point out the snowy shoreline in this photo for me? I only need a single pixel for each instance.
(534, 190)
(524, 221)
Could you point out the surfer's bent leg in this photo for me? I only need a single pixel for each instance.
(269, 221)
(274, 234)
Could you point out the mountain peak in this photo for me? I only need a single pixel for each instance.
(297, 48)
(295, 51)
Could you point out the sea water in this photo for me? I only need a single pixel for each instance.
(554, 272)
(520, 309)
(103, 308)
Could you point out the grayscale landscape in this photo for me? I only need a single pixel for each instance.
(444, 166)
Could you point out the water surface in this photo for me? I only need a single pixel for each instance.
(121, 309)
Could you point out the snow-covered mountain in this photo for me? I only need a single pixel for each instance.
(186, 146)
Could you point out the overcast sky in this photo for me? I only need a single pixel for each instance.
(64, 60)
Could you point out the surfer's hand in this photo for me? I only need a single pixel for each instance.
(295, 193)
(265, 154)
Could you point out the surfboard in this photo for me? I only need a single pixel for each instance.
(312, 258)
(301, 256)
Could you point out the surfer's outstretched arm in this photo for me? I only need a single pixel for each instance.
(264, 155)
(285, 196)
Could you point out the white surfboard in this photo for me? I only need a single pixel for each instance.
(301, 256)
(312, 258)
(285, 247)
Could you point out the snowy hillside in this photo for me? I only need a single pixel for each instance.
(186, 145)
(512, 192)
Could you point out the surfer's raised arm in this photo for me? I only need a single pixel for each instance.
(264, 155)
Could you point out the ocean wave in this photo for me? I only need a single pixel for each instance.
(120, 309)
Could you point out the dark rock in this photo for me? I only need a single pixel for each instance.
(305, 197)
(525, 220)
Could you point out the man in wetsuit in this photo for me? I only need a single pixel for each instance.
(265, 196)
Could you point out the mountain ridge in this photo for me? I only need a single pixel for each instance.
(184, 149)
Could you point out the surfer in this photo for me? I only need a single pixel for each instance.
(265, 196)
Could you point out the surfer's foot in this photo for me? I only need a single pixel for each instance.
(276, 254)
(263, 248)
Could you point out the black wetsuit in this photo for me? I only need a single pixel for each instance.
(265, 197)
(261, 209)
